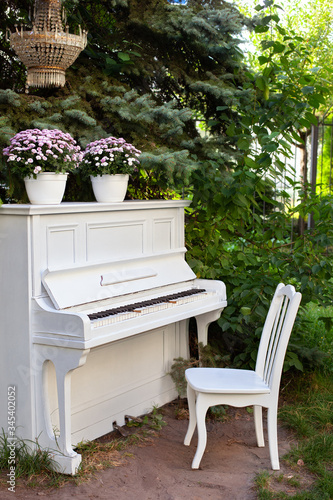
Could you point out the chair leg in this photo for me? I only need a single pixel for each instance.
(192, 415)
(257, 412)
(201, 410)
(272, 437)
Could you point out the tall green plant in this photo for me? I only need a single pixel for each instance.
(241, 233)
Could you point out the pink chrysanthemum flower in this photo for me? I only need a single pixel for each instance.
(110, 156)
(39, 146)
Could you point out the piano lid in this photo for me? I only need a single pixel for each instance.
(83, 285)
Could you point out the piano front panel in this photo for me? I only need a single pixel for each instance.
(128, 376)
(163, 234)
(121, 240)
(62, 243)
(69, 240)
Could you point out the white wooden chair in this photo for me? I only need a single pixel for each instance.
(260, 387)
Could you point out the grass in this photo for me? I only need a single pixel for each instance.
(308, 411)
(31, 462)
(29, 459)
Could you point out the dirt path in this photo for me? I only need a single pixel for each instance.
(161, 470)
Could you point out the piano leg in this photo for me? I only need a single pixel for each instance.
(203, 322)
(65, 361)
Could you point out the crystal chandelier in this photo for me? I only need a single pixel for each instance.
(46, 49)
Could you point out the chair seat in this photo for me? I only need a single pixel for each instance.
(226, 381)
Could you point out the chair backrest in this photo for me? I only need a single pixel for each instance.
(276, 333)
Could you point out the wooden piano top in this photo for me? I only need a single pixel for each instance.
(72, 208)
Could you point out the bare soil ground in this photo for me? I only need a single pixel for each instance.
(159, 468)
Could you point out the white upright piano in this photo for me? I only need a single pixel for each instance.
(95, 301)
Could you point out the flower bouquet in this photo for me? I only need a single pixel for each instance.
(109, 156)
(43, 159)
(109, 162)
(33, 151)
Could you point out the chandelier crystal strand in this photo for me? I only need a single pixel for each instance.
(47, 50)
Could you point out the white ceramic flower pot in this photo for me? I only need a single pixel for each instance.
(110, 188)
(47, 189)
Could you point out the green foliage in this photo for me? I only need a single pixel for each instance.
(39, 107)
(297, 21)
(156, 420)
(29, 457)
(6, 132)
(252, 262)
(324, 172)
(238, 232)
(177, 373)
(207, 357)
(10, 98)
(80, 116)
(314, 339)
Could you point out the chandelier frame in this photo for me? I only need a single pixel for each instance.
(47, 49)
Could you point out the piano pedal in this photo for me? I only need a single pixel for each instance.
(122, 430)
(129, 418)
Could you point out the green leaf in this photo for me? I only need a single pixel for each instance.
(305, 123)
(231, 130)
(249, 162)
(250, 174)
(123, 56)
(243, 143)
(320, 98)
(281, 30)
(312, 118)
(271, 147)
(278, 47)
(316, 268)
(266, 44)
(274, 134)
(308, 89)
(212, 123)
(261, 83)
(296, 136)
(263, 59)
(261, 29)
(110, 61)
(240, 200)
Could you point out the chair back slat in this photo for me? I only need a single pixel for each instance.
(275, 339)
(271, 338)
(276, 332)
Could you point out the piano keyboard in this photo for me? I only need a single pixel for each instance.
(129, 311)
